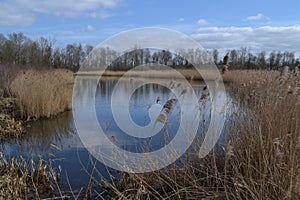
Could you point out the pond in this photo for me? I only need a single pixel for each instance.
(57, 138)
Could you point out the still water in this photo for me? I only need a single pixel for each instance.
(57, 139)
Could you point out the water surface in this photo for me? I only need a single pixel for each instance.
(56, 138)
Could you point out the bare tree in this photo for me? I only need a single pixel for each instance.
(261, 60)
(216, 56)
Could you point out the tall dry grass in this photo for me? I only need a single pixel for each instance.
(7, 74)
(266, 138)
(260, 158)
(43, 93)
(28, 180)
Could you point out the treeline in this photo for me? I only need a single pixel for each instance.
(245, 59)
(181, 58)
(136, 57)
(18, 49)
(238, 59)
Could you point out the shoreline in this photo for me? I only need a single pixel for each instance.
(190, 74)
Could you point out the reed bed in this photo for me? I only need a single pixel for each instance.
(7, 74)
(43, 93)
(266, 138)
(10, 125)
(258, 159)
(27, 180)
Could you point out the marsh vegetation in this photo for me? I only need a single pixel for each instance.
(258, 159)
(258, 156)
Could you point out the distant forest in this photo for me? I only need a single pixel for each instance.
(18, 49)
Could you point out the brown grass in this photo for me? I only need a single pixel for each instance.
(10, 126)
(43, 93)
(7, 74)
(266, 138)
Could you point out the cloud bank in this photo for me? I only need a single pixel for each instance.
(25, 12)
(268, 38)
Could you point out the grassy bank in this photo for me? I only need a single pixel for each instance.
(40, 92)
(27, 93)
(190, 74)
(43, 93)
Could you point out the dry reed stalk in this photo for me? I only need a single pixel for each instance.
(266, 156)
(22, 180)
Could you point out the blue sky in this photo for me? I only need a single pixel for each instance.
(256, 24)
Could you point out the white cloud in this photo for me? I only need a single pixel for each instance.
(25, 12)
(180, 19)
(100, 15)
(10, 16)
(87, 29)
(268, 38)
(202, 22)
(90, 28)
(259, 16)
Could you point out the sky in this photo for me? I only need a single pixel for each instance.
(260, 25)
